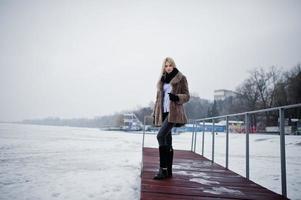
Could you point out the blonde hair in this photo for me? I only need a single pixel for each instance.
(171, 61)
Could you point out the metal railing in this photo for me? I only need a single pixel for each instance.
(143, 138)
(246, 115)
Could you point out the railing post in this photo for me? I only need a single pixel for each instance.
(227, 142)
(203, 138)
(213, 140)
(192, 136)
(143, 132)
(247, 145)
(142, 145)
(282, 152)
(195, 135)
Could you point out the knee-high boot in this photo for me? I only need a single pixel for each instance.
(169, 161)
(163, 170)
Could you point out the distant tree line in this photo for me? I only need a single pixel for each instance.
(96, 122)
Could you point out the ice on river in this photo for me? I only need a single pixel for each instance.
(51, 162)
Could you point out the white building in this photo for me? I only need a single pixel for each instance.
(222, 94)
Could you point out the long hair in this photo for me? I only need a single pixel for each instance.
(163, 73)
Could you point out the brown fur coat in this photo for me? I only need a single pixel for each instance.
(176, 112)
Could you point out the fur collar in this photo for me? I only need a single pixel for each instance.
(173, 81)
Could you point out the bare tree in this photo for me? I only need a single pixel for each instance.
(293, 84)
(266, 82)
(247, 95)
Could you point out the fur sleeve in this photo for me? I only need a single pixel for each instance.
(184, 96)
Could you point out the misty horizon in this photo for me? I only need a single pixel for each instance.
(86, 59)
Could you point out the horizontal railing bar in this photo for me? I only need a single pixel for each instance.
(250, 112)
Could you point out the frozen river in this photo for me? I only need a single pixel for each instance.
(49, 162)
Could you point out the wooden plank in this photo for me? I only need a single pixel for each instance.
(196, 177)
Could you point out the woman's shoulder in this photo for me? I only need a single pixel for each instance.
(183, 77)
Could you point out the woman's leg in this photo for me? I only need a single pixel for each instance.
(169, 153)
(164, 135)
(164, 140)
(168, 139)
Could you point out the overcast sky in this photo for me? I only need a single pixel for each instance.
(91, 58)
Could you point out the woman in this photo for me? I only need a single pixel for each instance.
(169, 112)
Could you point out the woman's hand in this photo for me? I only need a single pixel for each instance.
(173, 97)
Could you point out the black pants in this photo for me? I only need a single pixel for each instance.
(164, 134)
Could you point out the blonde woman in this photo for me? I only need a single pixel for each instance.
(169, 112)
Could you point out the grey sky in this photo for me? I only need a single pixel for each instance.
(90, 58)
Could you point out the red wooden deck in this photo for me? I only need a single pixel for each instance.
(196, 177)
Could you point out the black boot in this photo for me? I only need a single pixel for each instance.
(162, 174)
(169, 161)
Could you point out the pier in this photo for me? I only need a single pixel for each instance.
(196, 177)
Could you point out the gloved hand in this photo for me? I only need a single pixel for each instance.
(173, 97)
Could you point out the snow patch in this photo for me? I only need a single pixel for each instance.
(191, 173)
(221, 190)
(203, 181)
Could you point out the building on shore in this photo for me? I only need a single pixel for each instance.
(222, 94)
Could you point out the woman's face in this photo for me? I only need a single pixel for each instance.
(168, 67)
